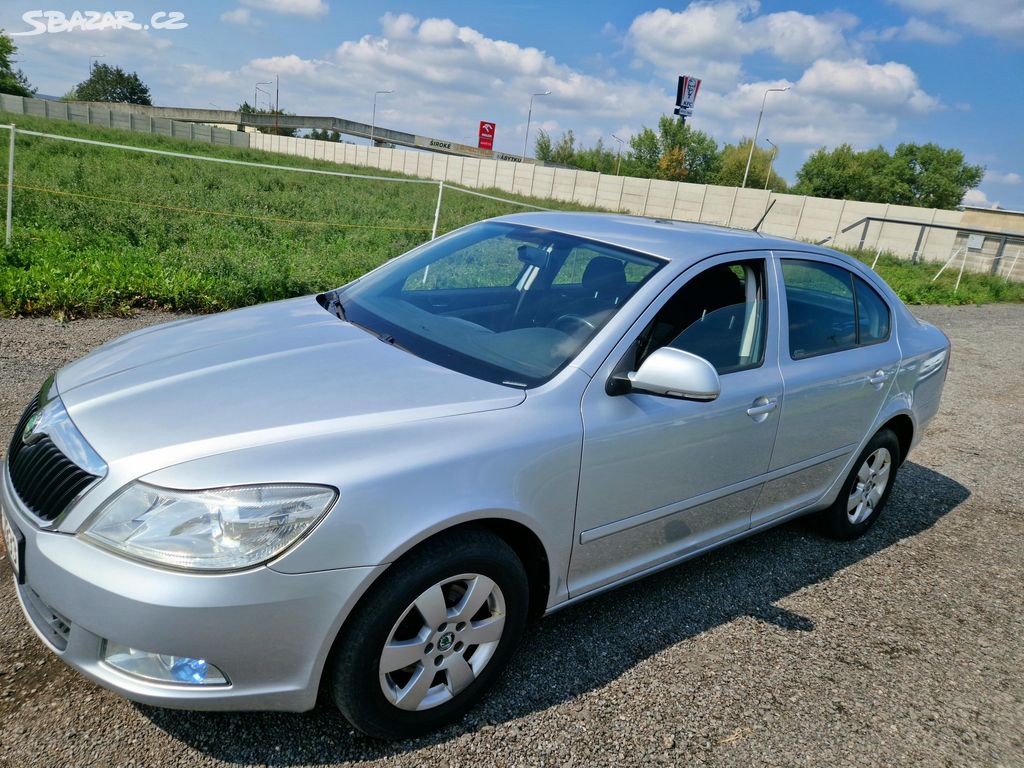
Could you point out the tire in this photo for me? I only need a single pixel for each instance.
(866, 490)
(447, 673)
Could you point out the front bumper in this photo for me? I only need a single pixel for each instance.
(269, 632)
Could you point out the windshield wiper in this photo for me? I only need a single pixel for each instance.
(332, 304)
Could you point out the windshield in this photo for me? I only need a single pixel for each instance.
(501, 302)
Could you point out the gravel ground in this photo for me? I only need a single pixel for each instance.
(903, 647)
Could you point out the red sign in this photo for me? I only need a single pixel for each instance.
(486, 135)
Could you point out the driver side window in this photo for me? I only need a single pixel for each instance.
(720, 315)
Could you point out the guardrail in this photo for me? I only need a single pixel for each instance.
(968, 239)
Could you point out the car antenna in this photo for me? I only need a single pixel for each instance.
(765, 216)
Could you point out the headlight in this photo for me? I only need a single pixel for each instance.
(215, 530)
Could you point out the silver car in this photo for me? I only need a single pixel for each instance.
(377, 487)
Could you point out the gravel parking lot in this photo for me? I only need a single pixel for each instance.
(904, 647)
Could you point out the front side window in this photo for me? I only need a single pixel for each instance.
(830, 309)
(488, 301)
(719, 315)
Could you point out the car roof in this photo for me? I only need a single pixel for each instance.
(677, 241)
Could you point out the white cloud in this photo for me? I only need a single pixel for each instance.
(978, 199)
(1003, 178)
(998, 18)
(890, 86)
(448, 76)
(916, 30)
(309, 8)
(240, 16)
(711, 39)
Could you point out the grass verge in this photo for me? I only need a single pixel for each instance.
(142, 231)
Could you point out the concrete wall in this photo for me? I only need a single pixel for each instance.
(810, 219)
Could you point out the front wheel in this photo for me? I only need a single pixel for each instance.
(866, 489)
(431, 636)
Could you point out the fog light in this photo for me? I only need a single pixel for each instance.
(161, 667)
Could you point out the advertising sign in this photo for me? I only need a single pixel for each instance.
(486, 135)
(686, 94)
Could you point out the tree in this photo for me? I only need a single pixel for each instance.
(113, 84)
(933, 177)
(12, 80)
(700, 150)
(921, 175)
(324, 135)
(564, 151)
(542, 148)
(246, 107)
(644, 154)
(596, 158)
(672, 165)
(734, 164)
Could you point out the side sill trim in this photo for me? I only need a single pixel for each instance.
(671, 563)
(642, 518)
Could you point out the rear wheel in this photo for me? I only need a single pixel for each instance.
(866, 490)
(430, 638)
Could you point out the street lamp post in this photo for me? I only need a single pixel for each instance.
(529, 117)
(373, 117)
(758, 128)
(771, 161)
(92, 61)
(618, 154)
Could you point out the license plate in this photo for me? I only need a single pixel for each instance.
(14, 543)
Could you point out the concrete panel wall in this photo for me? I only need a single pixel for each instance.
(718, 203)
(803, 218)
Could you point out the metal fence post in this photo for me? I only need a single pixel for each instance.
(864, 234)
(437, 211)
(10, 187)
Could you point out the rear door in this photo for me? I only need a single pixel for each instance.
(838, 359)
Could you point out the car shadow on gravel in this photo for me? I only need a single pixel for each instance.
(587, 646)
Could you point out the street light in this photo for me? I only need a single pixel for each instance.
(258, 90)
(758, 128)
(373, 118)
(771, 161)
(529, 116)
(618, 155)
(92, 61)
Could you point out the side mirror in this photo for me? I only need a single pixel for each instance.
(670, 372)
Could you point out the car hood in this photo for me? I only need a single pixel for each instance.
(271, 373)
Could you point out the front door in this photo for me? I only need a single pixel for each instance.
(661, 477)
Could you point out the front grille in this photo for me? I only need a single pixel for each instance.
(44, 478)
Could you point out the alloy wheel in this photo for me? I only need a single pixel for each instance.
(442, 642)
(869, 486)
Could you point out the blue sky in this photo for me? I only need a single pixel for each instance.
(868, 72)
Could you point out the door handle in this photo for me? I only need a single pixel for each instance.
(762, 408)
(879, 377)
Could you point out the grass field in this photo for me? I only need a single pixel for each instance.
(188, 235)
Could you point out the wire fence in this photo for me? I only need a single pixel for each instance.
(441, 186)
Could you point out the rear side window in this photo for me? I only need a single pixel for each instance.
(872, 314)
(830, 309)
